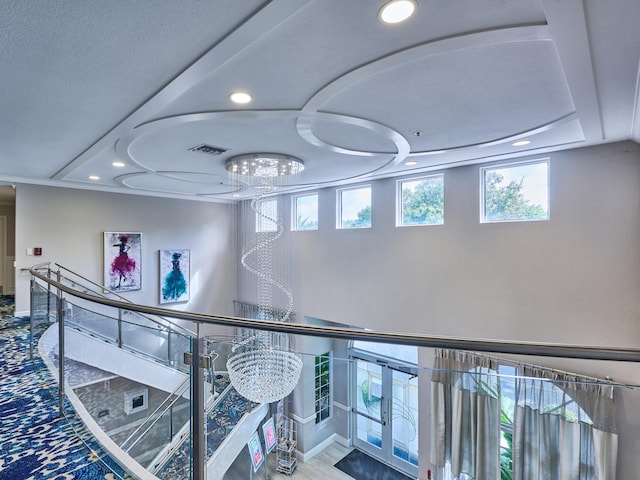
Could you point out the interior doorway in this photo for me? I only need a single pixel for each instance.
(7, 239)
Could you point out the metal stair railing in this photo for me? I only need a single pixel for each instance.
(512, 347)
(199, 352)
(157, 325)
(160, 325)
(100, 290)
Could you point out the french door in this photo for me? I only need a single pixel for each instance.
(385, 415)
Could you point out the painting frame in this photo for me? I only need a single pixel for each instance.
(255, 451)
(175, 276)
(269, 434)
(122, 261)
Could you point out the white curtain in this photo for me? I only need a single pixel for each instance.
(465, 412)
(564, 428)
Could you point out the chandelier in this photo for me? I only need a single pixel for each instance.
(264, 165)
(261, 371)
(262, 366)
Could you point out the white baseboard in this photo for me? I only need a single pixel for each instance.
(305, 457)
(24, 313)
(345, 442)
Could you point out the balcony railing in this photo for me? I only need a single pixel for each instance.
(152, 387)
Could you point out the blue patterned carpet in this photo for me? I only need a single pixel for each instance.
(35, 443)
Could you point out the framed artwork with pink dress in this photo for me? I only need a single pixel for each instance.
(122, 261)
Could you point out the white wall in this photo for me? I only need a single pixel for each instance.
(68, 224)
(573, 279)
(310, 434)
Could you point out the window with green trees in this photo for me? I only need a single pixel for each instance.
(323, 387)
(421, 201)
(304, 212)
(354, 207)
(516, 192)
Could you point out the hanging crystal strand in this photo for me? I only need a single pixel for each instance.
(263, 248)
(261, 366)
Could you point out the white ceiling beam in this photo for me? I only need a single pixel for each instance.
(251, 30)
(567, 22)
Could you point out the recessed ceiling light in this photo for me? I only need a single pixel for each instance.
(397, 11)
(118, 164)
(94, 177)
(521, 143)
(240, 97)
(410, 163)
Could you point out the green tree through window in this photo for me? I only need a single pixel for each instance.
(323, 387)
(363, 220)
(354, 207)
(516, 193)
(423, 201)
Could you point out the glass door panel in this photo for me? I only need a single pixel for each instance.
(404, 422)
(369, 404)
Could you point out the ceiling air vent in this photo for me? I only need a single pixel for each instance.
(208, 149)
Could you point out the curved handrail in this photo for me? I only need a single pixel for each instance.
(101, 287)
(588, 352)
(115, 294)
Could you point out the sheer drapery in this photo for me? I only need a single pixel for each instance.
(556, 426)
(465, 411)
(564, 428)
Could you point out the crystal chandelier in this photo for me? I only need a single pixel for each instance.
(262, 372)
(262, 366)
(264, 165)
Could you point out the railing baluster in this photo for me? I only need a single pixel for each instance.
(171, 422)
(49, 295)
(60, 348)
(31, 321)
(197, 405)
(119, 328)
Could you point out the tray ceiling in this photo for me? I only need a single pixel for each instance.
(144, 83)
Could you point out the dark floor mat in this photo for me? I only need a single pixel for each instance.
(363, 467)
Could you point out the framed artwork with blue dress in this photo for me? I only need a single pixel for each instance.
(122, 261)
(174, 276)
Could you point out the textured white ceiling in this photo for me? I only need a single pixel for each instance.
(87, 83)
